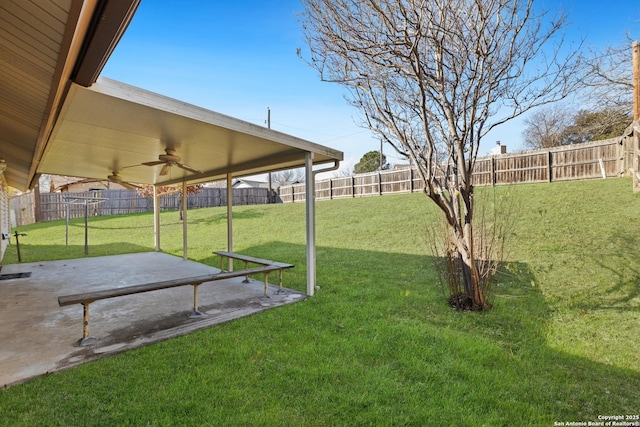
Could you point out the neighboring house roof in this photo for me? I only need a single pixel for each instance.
(498, 149)
(247, 183)
(401, 166)
(72, 184)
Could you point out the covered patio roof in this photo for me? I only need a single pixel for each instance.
(111, 126)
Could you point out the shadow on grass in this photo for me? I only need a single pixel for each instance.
(385, 314)
(221, 217)
(626, 287)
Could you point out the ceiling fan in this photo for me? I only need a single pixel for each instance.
(117, 179)
(168, 160)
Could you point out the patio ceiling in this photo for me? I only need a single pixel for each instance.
(111, 126)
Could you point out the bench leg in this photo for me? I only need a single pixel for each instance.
(266, 287)
(280, 291)
(86, 340)
(246, 278)
(196, 314)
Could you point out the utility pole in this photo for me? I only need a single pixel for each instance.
(268, 118)
(380, 153)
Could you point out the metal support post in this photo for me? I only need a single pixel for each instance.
(156, 219)
(185, 224)
(16, 234)
(230, 219)
(311, 224)
(86, 227)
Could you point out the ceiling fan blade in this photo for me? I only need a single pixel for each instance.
(165, 169)
(189, 168)
(157, 162)
(128, 186)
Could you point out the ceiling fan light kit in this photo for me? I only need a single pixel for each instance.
(170, 159)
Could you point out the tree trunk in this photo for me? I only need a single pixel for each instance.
(470, 274)
(463, 239)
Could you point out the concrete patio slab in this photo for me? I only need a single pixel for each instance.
(37, 336)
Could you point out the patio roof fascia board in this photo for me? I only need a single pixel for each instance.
(108, 24)
(76, 45)
(297, 160)
(75, 31)
(154, 100)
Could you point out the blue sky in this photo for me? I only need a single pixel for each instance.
(239, 58)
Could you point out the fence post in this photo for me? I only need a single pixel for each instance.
(493, 171)
(636, 160)
(411, 179)
(550, 163)
(330, 188)
(379, 183)
(37, 202)
(353, 186)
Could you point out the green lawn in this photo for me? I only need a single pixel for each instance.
(377, 345)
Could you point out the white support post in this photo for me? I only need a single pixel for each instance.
(230, 219)
(185, 242)
(310, 200)
(156, 218)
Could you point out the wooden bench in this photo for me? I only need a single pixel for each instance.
(87, 298)
(253, 260)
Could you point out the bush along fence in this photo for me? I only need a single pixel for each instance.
(599, 159)
(54, 206)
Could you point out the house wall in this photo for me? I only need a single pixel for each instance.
(5, 222)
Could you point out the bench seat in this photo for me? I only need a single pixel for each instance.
(89, 297)
(86, 298)
(250, 259)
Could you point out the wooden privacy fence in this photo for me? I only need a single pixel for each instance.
(53, 206)
(22, 209)
(609, 158)
(599, 159)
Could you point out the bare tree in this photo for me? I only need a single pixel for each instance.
(287, 177)
(345, 170)
(544, 127)
(609, 76)
(553, 126)
(147, 191)
(433, 77)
